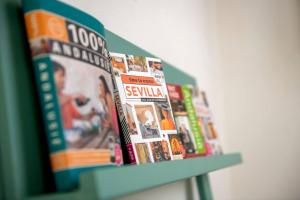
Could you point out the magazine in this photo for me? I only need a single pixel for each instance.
(74, 80)
(144, 109)
(205, 120)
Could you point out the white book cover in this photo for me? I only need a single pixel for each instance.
(144, 109)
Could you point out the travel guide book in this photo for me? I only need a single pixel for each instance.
(144, 110)
(190, 135)
(74, 80)
(205, 120)
(182, 120)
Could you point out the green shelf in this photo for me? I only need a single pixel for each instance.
(24, 161)
(116, 182)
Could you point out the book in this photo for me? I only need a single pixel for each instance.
(144, 109)
(206, 122)
(74, 82)
(184, 114)
(182, 120)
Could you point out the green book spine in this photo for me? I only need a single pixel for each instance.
(193, 120)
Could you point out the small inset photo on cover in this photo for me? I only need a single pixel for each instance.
(212, 131)
(160, 151)
(147, 121)
(165, 118)
(142, 153)
(130, 120)
(185, 134)
(176, 145)
(136, 63)
(156, 69)
(155, 66)
(118, 63)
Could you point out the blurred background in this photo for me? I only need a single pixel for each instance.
(246, 56)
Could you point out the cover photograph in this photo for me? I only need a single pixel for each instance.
(144, 109)
(191, 137)
(205, 120)
(74, 80)
(188, 100)
(181, 119)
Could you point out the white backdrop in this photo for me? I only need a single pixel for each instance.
(245, 54)
(260, 41)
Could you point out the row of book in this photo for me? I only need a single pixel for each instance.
(105, 109)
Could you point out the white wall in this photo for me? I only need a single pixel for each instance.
(179, 32)
(245, 54)
(260, 42)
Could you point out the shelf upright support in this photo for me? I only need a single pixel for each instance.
(204, 188)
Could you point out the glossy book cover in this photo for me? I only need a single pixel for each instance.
(144, 109)
(75, 85)
(182, 120)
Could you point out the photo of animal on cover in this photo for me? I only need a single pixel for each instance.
(86, 105)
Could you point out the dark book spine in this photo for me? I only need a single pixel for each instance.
(125, 129)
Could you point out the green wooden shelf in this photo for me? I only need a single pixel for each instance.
(24, 162)
(116, 182)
